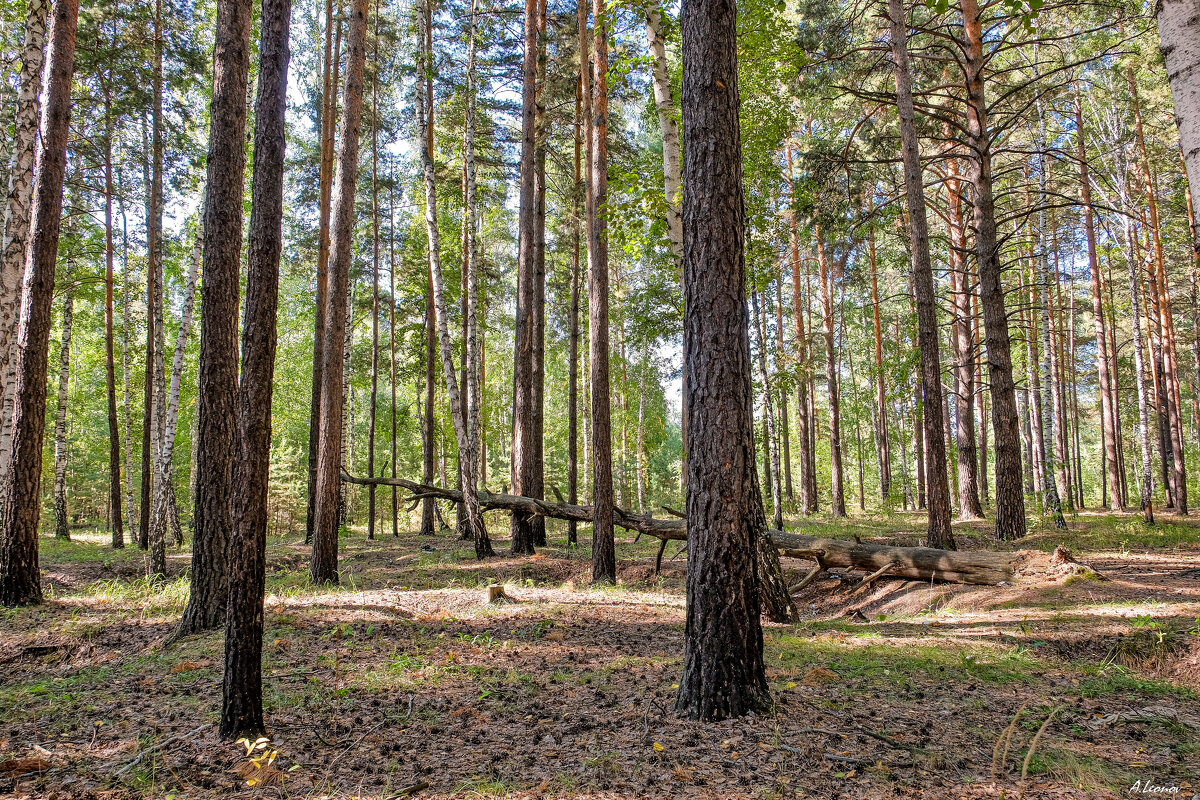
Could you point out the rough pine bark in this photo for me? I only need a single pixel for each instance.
(837, 504)
(939, 533)
(963, 340)
(328, 128)
(723, 672)
(17, 210)
(523, 450)
(242, 707)
(219, 320)
(20, 505)
(883, 454)
(110, 372)
(62, 526)
(577, 203)
(1010, 499)
(536, 479)
(772, 466)
(604, 558)
(1108, 430)
(323, 568)
(1146, 501)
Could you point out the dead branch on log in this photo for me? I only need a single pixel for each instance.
(920, 563)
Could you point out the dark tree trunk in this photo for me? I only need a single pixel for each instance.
(536, 480)
(883, 453)
(723, 671)
(373, 403)
(577, 203)
(242, 711)
(604, 558)
(837, 503)
(219, 319)
(1010, 500)
(962, 334)
(110, 373)
(808, 495)
(323, 568)
(784, 428)
(524, 452)
(20, 504)
(429, 444)
(938, 492)
(325, 179)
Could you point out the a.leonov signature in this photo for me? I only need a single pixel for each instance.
(1150, 787)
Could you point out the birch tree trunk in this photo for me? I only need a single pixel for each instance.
(62, 526)
(668, 129)
(466, 449)
(164, 468)
(1179, 31)
(17, 212)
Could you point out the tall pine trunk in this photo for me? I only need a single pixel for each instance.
(838, 496)
(963, 340)
(323, 567)
(218, 368)
(328, 127)
(938, 499)
(110, 370)
(241, 709)
(1010, 500)
(604, 559)
(723, 671)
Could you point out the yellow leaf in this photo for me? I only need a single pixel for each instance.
(790, 685)
(659, 747)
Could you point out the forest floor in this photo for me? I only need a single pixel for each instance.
(405, 681)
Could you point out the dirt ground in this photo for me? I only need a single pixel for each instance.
(404, 681)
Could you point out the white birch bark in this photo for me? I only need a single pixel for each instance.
(17, 212)
(668, 127)
(466, 451)
(162, 513)
(62, 528)
(1179, 30)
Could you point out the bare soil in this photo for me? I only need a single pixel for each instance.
(405, 680)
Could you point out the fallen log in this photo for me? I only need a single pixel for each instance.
(919, 563)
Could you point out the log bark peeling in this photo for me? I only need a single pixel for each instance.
(918, 563)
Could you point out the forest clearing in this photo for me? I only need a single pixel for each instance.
(575, 398)
(406, 675)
